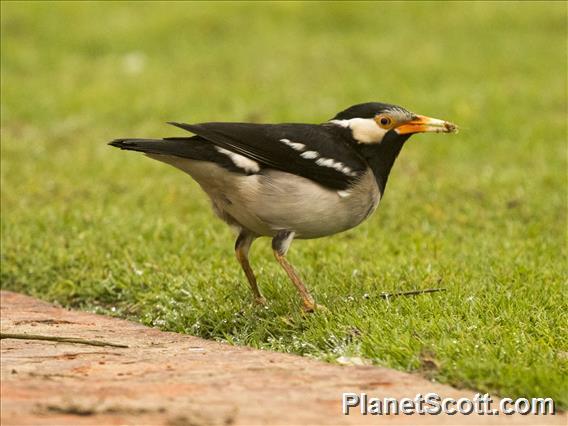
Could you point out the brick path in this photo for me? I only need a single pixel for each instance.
(174, 379)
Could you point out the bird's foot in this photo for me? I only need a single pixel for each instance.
(260, 301)
(312, 307)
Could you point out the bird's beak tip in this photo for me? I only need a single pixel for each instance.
(451, 127)
(423, 124)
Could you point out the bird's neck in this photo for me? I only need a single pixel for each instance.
(381, 157)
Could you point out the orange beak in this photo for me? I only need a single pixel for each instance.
(423, 124)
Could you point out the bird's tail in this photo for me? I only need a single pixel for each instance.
(193, 148)
(179, 147)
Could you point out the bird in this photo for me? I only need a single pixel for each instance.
(292, 180)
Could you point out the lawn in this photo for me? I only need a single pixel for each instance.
(481, 214)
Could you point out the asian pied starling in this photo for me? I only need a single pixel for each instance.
(288, 181)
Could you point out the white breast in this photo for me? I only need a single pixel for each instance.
(285, 201)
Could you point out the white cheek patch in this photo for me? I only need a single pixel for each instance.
(294, 145)
(240, 161)
(364, 130)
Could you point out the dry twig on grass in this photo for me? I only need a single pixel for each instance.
(388, 296)
(60, 339)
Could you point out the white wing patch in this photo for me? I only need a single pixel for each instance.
(240, 161)
(320, 161)
(326, 162)
(309, 155)
(294, 145)
(337, 165)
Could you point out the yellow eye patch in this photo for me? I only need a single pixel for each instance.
(384, 121)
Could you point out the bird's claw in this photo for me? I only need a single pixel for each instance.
(311, 307)
(260, 301)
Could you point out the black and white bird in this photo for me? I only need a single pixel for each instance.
(288, 181)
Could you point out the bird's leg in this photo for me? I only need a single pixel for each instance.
(280, 244)
(242, 246)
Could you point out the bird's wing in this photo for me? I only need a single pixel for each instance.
(193, 148)
(308, 150)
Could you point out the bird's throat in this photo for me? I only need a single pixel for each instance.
(382, 156)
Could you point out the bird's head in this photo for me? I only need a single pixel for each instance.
(371, 122)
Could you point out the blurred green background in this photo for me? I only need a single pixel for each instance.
(481, 213)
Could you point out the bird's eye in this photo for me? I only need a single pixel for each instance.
(383, 121)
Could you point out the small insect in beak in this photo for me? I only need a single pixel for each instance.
(423, 124)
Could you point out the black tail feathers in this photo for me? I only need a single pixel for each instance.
(193, 147)
(142, 145)
(180, 147)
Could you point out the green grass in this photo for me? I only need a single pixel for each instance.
(481, 213)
